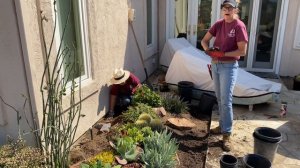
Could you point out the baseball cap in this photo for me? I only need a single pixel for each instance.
(229, 2)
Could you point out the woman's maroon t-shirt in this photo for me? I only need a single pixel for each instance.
(228, 35)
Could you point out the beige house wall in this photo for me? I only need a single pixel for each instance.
(290, 58)
(13, 76)
(112, 45)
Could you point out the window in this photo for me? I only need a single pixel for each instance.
(149, 22)
(297, 36)
(151, 29)
(72, 35)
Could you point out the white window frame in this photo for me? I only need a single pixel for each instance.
(151, 49)
(85, 42)
(297, 36)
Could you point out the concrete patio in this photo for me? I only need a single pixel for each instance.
(263, 115)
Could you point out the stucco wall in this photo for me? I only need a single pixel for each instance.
(290, 59)
(13, 80)
(111, 46)
(162, 25)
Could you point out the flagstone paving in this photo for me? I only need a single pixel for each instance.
(263, 115)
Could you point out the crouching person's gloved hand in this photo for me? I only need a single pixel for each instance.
(214, 52)
(110, 114)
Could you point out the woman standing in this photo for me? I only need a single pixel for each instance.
(230, 44)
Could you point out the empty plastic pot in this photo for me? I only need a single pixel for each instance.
(256, 161)
(228, 161)
(207, 101)
(185, 89)
(266, 141)
(268, 134)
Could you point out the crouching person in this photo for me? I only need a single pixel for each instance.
(124, 84)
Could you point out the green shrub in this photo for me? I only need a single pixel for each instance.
(159, 150)
(173, 104)
(133, 112)
(145, 95)
(17, 154)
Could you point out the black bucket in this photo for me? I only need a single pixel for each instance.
(228, 161)
(256, 161)
(266, 141)
(185, 89)
(296, 83)
(206, 104)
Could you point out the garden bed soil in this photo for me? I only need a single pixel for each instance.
(192, 143)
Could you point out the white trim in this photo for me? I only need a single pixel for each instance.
(297, 37)
(252, 36)
(216, 15)
(192, 21)
(170, 19)
(85, 36)
(280, 37)
(258, 70)
(151, 49)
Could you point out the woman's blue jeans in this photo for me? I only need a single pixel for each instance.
(224, 77)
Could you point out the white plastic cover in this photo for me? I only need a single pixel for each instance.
(190, 64)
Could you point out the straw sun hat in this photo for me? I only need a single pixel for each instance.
(119, 76)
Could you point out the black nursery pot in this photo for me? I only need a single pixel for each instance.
(228, 161)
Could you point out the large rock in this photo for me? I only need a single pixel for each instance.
(180, 123)
(160, 111)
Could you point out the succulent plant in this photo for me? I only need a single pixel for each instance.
(105, 157)
(126, 147)
(134, 112)
(141, 123)
(146, 117)
(160, 150)
(156, 124)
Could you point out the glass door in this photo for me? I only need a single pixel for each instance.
(266, 34)
(181, 18)
(204, 20)
(245, 15)
(193, 18)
